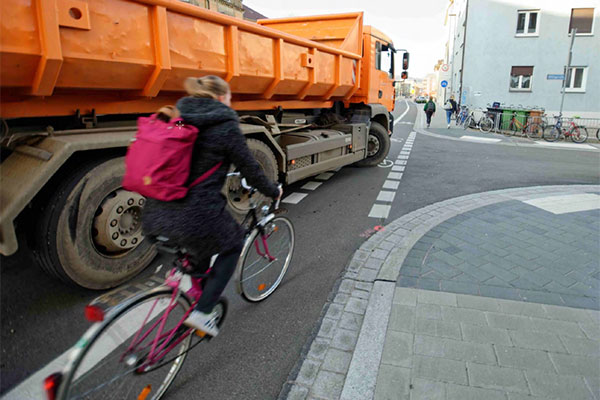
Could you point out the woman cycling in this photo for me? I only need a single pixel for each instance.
(200, 222)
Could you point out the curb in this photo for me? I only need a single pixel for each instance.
(332, 362)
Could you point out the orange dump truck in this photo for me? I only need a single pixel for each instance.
(313, 94)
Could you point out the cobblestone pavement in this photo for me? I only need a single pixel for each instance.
(511, 250)
(379, 339)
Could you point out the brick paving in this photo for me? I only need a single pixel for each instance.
(458, 300)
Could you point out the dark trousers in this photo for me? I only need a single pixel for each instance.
(429, 114)
(219, 275)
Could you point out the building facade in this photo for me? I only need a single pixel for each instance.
(515, 53)
(233, 8)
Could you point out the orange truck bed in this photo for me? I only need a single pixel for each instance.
(131, 56)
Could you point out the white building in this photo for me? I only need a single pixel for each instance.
(512, 51)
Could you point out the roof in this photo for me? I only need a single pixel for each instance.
(252, 14)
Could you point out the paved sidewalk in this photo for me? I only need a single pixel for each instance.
(488, 296)
(439, 128)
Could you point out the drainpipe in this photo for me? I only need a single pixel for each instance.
(462, 65)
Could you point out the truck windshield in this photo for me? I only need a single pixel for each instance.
(385, 59)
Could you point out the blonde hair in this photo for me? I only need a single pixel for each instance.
(209, 86)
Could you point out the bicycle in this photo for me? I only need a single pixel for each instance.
(462, 115)
(124, 353)
(485, 123)
(532, 130)
(578, 134)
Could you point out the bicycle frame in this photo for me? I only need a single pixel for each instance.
(157, 352)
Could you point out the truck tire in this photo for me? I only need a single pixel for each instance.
(237, 197)
(89, 232)
(378, 146)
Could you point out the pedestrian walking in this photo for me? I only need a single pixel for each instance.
(429, 110)
(454, 107)
(449, 111)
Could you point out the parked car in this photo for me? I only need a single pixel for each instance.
(421, 99)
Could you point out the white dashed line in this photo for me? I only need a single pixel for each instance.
(324, 176)
(294, 198)
(480, 139)
(391, 185)
(311, 185)
(395, 175)
(398, 168)
(566, 145)
(403, 157)
(380, 211)
(386, 196)
(400, 162)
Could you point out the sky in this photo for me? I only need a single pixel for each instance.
(417, 26)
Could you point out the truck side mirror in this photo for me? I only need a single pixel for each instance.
(405, 57)
(404, 75)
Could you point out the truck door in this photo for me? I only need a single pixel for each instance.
(384, 64)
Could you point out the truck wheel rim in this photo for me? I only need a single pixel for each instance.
(117, 226)
(372, 146)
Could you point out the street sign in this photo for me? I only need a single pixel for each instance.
(445, 67)
(557, 77)
(444, 83)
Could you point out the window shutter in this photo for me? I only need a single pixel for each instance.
(581, 18)
(521, 71)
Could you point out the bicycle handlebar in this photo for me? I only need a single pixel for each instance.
(252, 189)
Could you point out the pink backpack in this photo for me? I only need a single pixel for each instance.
(157, 164)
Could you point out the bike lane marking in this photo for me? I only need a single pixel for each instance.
(391, 184)
(403, 114)
(480, 139)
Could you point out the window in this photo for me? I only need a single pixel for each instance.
(384, 58)
(582, 19)
(520, 78)
(527, 23)
(576, 79)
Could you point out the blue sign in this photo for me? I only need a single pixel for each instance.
(557, 77)
(444, 83)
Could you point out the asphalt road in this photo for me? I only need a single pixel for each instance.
(261, 343)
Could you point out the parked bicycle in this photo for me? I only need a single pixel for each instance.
(532, 130)
(462, 115)
(578, 134)
(484, 123)
(136, 348)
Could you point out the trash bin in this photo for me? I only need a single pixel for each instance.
(496, 115)
(535, 116)
(507, 115)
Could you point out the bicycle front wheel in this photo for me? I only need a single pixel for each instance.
(110, 365)
(265, 259)
(551, 134)
(535, 131)
(468, 122)
(486, 124)
(579, 134)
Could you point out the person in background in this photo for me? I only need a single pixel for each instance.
(454, 107)
(429, 110)
(449, 108)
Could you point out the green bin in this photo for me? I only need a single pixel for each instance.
(507, 117)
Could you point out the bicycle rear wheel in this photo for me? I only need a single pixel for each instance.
(468, 122)
(259, 276)
(486, 124)
(579, 134)
(104, 368)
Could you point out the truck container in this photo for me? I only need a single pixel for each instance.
(313, 94)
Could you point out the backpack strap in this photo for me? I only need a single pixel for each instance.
(206, 175)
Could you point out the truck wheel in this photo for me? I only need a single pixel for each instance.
(237, 197)
(89, 233)
(378, 146)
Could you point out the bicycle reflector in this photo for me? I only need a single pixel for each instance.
(51, 385)
(94, 313)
